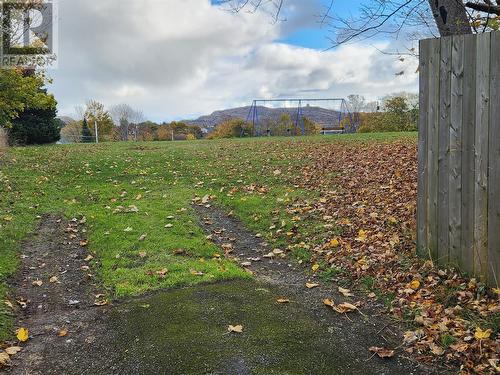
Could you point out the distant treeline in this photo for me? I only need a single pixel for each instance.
(144, 131)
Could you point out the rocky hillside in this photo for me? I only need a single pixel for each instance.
(326, 117)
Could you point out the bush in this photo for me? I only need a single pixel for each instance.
(398, 116)
(35, 127)
(233, 128)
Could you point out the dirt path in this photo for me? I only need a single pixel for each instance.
(184, 331)
(54, 292)
(353, 334)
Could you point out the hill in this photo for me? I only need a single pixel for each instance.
(323, 116)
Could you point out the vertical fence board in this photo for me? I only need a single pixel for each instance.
(455, 136)
(433, 147)
(422, 151)
(443, 206)
(468, 126)
(494, 167)
(481, 155)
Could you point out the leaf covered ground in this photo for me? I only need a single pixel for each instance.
(343, 205)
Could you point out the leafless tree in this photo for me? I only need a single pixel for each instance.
(393, 17)
(124, 117)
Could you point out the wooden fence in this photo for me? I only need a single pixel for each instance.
(459, 153)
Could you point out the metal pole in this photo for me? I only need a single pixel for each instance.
(96, 133)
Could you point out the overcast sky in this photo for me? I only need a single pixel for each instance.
(177, 59)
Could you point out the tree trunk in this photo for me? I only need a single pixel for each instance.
(451, 17)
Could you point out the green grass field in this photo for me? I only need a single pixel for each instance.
(126, 190)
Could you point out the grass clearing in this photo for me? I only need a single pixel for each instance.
(125, 191)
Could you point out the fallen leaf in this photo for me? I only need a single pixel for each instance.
(315, 267)
(311, 285)
(436, 349)
(101, 303)
(328, 302)
(84, 243)
(62, 332)
(482, 335)
(162, 272)
(128, 229)
(238, 328)
(344, 308)
(22, 334)
(54, 279)
(142, 254)
(4, 358)
(196, 273)
(334, 243)
(283, 300)
(382, 352)
(13, 350)
(345, 292)
(143, 237)
(361, 236)
(9, 304)
(37, 283)
(169, 226)
(415, 284)
(88, 258)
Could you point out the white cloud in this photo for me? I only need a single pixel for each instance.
(174, 58)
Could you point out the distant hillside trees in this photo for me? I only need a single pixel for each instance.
(399, 113)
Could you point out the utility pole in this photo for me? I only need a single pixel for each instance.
(96, 132)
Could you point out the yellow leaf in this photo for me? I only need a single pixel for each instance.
(8, 218)
(22, 334)
(415, 284)
(311, 285)
(238, 328)
(481, 335)
(283, 300)
(362, 235)
(4, 358)
(334, 243)
(315, 267)
(496, 291)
